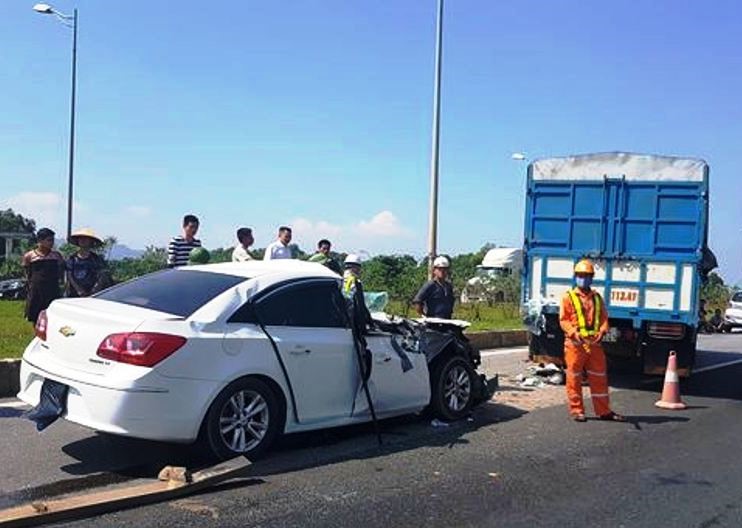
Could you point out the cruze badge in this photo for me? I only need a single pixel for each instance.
(67, 331)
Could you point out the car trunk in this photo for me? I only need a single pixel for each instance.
(76, 327)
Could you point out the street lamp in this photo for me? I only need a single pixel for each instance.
(71, 22)
(434, 157)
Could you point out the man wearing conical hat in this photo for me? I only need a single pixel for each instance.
(85, 268)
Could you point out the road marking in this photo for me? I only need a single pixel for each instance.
(717, 366)
(14, 405)
(503, 352)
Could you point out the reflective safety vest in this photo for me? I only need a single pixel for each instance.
(581, 322)
(349, 284)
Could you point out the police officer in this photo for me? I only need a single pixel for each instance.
(435, 298)
(584, 320)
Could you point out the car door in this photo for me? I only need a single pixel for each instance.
(307, 325)
(399, 379)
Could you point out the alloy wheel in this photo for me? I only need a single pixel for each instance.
(457, 388)
(244, 420)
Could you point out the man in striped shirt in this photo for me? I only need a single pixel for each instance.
(180, 247)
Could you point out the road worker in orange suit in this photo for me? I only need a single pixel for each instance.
(584, 320)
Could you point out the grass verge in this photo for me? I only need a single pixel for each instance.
(505, 316)
(15, 331)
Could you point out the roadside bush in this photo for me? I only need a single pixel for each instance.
(10, 268)
(716, 293)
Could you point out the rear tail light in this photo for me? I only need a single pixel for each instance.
(144, 349)
(40, 326)
(666, 330)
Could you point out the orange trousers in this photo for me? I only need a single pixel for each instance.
(577, 360)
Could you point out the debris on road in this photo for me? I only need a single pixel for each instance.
(98, 502)
(435, 422)
(540, 375)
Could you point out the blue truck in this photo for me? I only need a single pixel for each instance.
(643, 221)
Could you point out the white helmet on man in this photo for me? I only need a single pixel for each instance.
(352, 259)
(441, 262)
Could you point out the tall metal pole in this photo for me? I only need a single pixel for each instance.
(72, 125)
(433, 219)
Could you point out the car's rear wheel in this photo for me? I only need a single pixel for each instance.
(244, 420)
(452, 394)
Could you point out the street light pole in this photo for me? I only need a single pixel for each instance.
(69, 21)
(72, 124)
(435, 156)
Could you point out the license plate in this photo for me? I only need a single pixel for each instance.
(624, 296)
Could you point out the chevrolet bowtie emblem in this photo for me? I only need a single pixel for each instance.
(67, 331)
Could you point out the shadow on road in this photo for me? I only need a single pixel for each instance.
(107, 459)
(305, 450)
(638, 421)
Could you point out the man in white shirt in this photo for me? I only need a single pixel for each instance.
(245, 240)
(280, 248)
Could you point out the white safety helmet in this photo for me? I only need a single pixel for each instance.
(441, 262)
(352, 259)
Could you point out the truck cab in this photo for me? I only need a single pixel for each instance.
(498, 263)
(643, 221)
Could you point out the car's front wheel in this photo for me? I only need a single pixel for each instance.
(452, 394)
(244, 420)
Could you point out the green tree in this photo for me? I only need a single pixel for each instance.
(221, 255)
(10, 268)
(12, 222)
(153, 259)
(398, 275)
(716, 293)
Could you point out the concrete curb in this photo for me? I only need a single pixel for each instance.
(10, 369)
(10, 372)
(498, 339)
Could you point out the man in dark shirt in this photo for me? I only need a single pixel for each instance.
(435, 298)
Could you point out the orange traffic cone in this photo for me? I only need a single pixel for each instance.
(671, 390)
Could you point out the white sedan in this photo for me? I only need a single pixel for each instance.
(235, 354)
(733, 314)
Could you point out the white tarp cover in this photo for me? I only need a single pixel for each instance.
(645, 167)
(502, 258)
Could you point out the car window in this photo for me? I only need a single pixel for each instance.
(313, 304)
(737, 297)
(178, 292)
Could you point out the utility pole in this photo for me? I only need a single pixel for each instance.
(435, 155)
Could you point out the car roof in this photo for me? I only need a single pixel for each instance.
(275, 269)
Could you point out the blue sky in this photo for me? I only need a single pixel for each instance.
(318, 113)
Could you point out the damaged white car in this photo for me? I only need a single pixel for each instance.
(235, 354)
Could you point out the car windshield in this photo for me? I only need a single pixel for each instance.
(737, 297)
(179, 292)
(491, 272)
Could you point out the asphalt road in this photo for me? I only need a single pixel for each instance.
(504, 468)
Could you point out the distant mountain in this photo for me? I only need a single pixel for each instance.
(121, 251)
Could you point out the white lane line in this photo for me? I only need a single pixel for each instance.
(717, 366)
(14, 405)
(503, 351)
